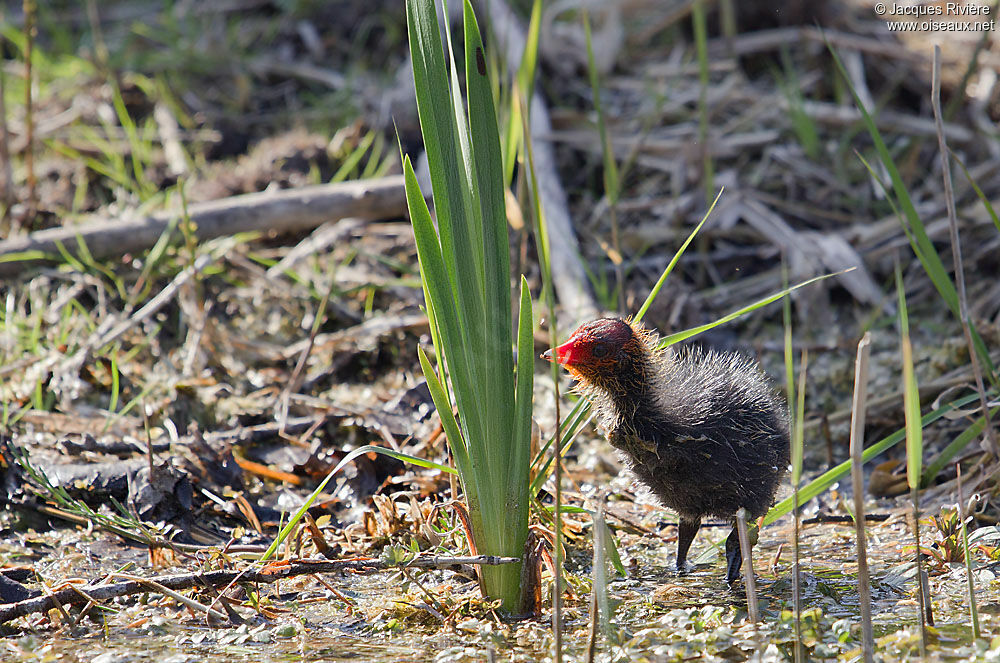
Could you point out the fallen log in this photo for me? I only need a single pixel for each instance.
(288, 210)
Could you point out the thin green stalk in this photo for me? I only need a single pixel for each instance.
(601, 546)
(914, 448)
(796, 441)
(914, 228)
(29, 8)
(115, 379)
(655, 290)
(522, 92)
(557, 524)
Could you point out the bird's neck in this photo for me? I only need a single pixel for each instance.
(634, 389)
(633, 402)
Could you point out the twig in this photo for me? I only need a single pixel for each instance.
(956, 250)
(371, 329)
(262, 470)
(283, 211)
(295, 380)
(825, 518)
(151, 584)
(324, 236)
(302, 70)
(778, 38)
(58, 605)
(100, 338)
(886, 120)
(261, 432)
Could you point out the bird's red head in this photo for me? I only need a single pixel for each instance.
(597, 347)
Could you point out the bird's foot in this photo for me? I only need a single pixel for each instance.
(683, 568)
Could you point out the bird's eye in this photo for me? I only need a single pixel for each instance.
(599, 350)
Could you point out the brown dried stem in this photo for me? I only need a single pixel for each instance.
(956, 251)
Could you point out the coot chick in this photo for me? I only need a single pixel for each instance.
(702, 430)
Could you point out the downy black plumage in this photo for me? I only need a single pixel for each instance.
(702, 430)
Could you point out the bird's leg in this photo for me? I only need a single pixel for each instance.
(734, 557)
(686, 529)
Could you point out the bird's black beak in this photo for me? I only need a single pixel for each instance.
(546, 355)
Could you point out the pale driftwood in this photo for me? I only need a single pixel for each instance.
(777, 38)
(568, 274)
(885, 120)
(281, 211)
(666, 145)
(810, 252)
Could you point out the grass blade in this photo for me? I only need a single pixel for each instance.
(911, 396)
(673, 261)
(835, 474)
(956, 250)
(349, 458)
(921, 243)
(443, 406)
(677, 337)
(914, 449)
(497, 393)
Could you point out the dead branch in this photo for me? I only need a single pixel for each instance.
(269, 212)
(78, 595)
